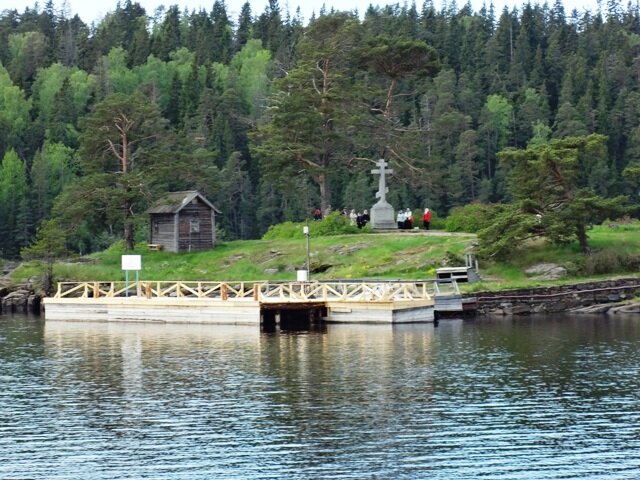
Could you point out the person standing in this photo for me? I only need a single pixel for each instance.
(426, 219)
(353, 217)
(400, 219)
(366, 218)
(407, 219)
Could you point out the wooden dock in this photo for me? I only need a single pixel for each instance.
(241, 302)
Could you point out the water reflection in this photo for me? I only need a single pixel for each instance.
(501, 399)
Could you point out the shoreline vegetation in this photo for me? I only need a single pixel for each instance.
(344, 252)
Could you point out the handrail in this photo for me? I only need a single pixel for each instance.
(262, 291)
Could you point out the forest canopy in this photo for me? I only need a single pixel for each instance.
(270, 117)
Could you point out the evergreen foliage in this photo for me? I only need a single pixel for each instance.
(49, 246)
(272, 118)
(553, 198)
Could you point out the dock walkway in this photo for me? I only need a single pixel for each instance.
(241, 302)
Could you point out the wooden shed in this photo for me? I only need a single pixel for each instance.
(182, 222)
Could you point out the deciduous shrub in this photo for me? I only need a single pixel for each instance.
(471, 218)
(610, 260)
(333, 224)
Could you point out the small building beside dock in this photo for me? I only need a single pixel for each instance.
(182, 222)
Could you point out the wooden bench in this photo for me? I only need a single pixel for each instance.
(154, 247)
(459, 274)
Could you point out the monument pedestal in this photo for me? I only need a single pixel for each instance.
(383, 216)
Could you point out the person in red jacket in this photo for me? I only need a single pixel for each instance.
(426, 219)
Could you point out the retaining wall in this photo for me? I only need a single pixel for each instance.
(555, 299)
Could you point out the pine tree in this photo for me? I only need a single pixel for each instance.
(245, 23)
(168, 36)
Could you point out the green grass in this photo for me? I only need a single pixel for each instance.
(615, 253)
(402, 255)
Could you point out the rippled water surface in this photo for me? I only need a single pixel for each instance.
(537, 398)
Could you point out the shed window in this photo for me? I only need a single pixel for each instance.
(195, 226)
(156, 226)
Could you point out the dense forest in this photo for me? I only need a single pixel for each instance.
(271, 117)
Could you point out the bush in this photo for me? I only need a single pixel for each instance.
(333, 224)
(471, 218)
(609, 261)
(284, 230)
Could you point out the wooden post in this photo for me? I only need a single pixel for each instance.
(256, 292)
(96, 289)
(147, 289)
(224, 294)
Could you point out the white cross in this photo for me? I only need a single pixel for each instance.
(382, 187)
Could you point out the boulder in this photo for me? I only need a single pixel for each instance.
(546, 271)
(22, 300)
(33, 303)
(629, 308)
(8, 267)
(592, 309)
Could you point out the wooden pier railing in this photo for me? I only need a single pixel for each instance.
(263, 292)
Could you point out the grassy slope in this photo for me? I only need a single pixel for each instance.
(406, 255)
(399, 255)
(611, 247)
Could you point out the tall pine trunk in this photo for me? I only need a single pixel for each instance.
(583, 240)
(325, 199)
(128, 220)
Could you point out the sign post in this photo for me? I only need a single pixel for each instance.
(131, 262)
(305, 230)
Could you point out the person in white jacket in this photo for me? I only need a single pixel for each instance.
(353, 217)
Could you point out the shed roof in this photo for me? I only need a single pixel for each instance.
(173, 202)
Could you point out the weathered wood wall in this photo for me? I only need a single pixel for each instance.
(189, 240)
(192, 230)
(162, 229)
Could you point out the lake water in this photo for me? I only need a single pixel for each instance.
(532, 398)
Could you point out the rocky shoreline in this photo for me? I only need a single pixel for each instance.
(20, 298)
(604, 297)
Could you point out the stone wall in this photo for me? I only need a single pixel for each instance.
(556, 299)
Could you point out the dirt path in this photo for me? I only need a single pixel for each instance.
(425, 233)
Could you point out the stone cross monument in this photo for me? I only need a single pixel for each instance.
(382, 213)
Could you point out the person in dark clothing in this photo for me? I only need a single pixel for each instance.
(400, 219)
(365, 217)
(317, 214)
(408, 219)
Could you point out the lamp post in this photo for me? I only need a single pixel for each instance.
(305, 230)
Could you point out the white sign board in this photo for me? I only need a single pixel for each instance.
(131, 262)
